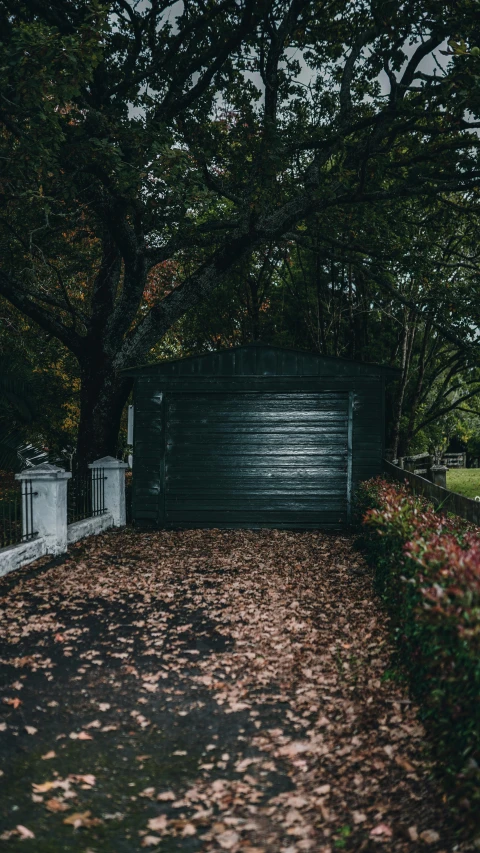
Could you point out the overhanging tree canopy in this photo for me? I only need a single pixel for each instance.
(139, 135)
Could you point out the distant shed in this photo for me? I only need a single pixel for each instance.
(255, 436)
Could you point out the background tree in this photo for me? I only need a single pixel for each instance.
(135, 136)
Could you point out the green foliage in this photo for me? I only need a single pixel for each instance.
(427, 571)
(44, 409)
(16, 411)
(200, 138)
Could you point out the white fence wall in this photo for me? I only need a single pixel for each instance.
(49, 512)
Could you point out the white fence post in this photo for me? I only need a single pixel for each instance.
(114, 488)
(49, 505)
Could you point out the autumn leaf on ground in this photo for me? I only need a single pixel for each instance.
(157, 823)
(294, 737)
(227, 839)
(82, 819)
(55, 805)
(15, 703)
(147, 792)
(87, 778)
(43, 787)
(382, 829)
(429, 836)
(23, 832)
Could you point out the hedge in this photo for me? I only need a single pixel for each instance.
(427, 571)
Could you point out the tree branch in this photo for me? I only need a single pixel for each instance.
(14, 293)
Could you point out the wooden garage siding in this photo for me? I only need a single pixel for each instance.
(255, 368)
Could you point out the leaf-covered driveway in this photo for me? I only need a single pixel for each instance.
(207, 691)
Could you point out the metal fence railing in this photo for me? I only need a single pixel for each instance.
(86, 495)
(16, 514)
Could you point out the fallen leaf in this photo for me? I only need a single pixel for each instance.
(150, 841)
(227, 839)
(15, 703)
(55, 805)
(23, 832)
(157, 823)
(382, 829)
(87, 778)
(147, 792)
(31, 730)
(104, 706)
(78, 819)
(404, 764)
(48, 755)
(165, 796)
(358, 817)
(429, 836)
(43, 787)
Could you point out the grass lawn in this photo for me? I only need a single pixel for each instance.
(464, 480)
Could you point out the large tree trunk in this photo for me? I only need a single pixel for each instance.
(102, 398)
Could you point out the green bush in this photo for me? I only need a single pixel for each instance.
(427, 571)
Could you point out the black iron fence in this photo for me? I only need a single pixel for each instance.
(86, 495)
(16, 514)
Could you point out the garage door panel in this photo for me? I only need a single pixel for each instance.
(262, 507)
(231, 433)
(252, 485)
(261, 460)
(330, 457)
(290, 521)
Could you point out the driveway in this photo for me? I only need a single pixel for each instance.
(207, 691)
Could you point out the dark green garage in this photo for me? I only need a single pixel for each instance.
(255, 436)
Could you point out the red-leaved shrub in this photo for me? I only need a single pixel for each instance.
(427, 570)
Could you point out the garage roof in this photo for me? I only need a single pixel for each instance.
(260, 359)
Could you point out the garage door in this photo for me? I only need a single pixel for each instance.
(256, 460)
